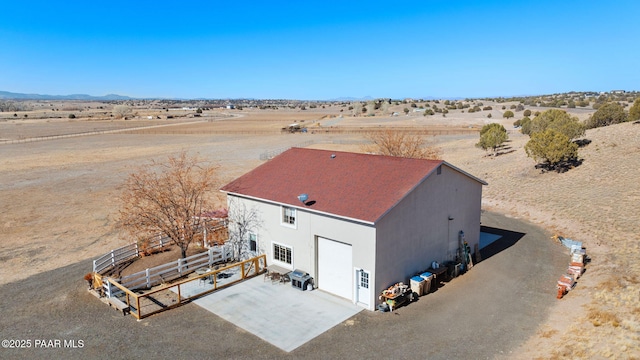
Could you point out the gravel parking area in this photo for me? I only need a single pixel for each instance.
(483, 314)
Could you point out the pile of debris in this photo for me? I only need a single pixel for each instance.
(575, 269)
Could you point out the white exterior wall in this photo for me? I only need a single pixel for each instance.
(404, 242)
(418, 231)
(303, 238)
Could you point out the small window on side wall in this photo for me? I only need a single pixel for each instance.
(288, 216)
(253, 242)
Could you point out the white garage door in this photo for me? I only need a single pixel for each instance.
(334, 268)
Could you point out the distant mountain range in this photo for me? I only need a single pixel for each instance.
(19, 96)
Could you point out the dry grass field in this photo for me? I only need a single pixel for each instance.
(56, 199)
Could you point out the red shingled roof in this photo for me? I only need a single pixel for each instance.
(357, 186)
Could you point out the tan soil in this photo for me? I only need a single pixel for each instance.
(57, 205)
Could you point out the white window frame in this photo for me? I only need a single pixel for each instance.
(257, 250)
(286, 247)
(285, 219)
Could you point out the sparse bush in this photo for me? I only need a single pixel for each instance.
(525, 122)
(551, 147)
(607, 114)
(487, 108)
(489, 115)
(508, 114)
(527, 112)
(634, 111)
(492, 136)
(560, 121)
(72, 116)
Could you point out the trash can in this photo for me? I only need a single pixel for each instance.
(428, 278)
(417, 285)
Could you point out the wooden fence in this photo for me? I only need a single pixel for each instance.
(123, 254)
(181, 292)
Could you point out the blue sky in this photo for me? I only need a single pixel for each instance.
(318, 50)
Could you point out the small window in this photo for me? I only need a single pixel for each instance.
(289, 216)
(253, 242)
(282, 253)
(364, 279)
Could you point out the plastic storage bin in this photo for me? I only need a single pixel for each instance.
(417, 285)
(428, 279)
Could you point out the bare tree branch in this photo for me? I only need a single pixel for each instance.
(401, 144)
(168, 198)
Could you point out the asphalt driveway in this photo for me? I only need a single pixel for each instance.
(483, 314)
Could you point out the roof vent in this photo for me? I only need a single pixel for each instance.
(303, 197)
(333, 156)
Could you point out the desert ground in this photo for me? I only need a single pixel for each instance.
(58, 208)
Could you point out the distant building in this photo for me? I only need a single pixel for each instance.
(231, 106)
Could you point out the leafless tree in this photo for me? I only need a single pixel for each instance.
(243, 221)
(357, 108)
(120, 111)
(401, 144)
(168, 198)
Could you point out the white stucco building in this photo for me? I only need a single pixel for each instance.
(368, 222)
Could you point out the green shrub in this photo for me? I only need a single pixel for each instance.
(607, 114)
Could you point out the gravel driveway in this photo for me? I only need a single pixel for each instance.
(485, 313)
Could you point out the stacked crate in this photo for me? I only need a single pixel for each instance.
(574, 271)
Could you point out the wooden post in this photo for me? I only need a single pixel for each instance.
(179, 296)
(242, 269)
(139, 312)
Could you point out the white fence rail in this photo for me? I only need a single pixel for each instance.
(166, 272)
(122, 254)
